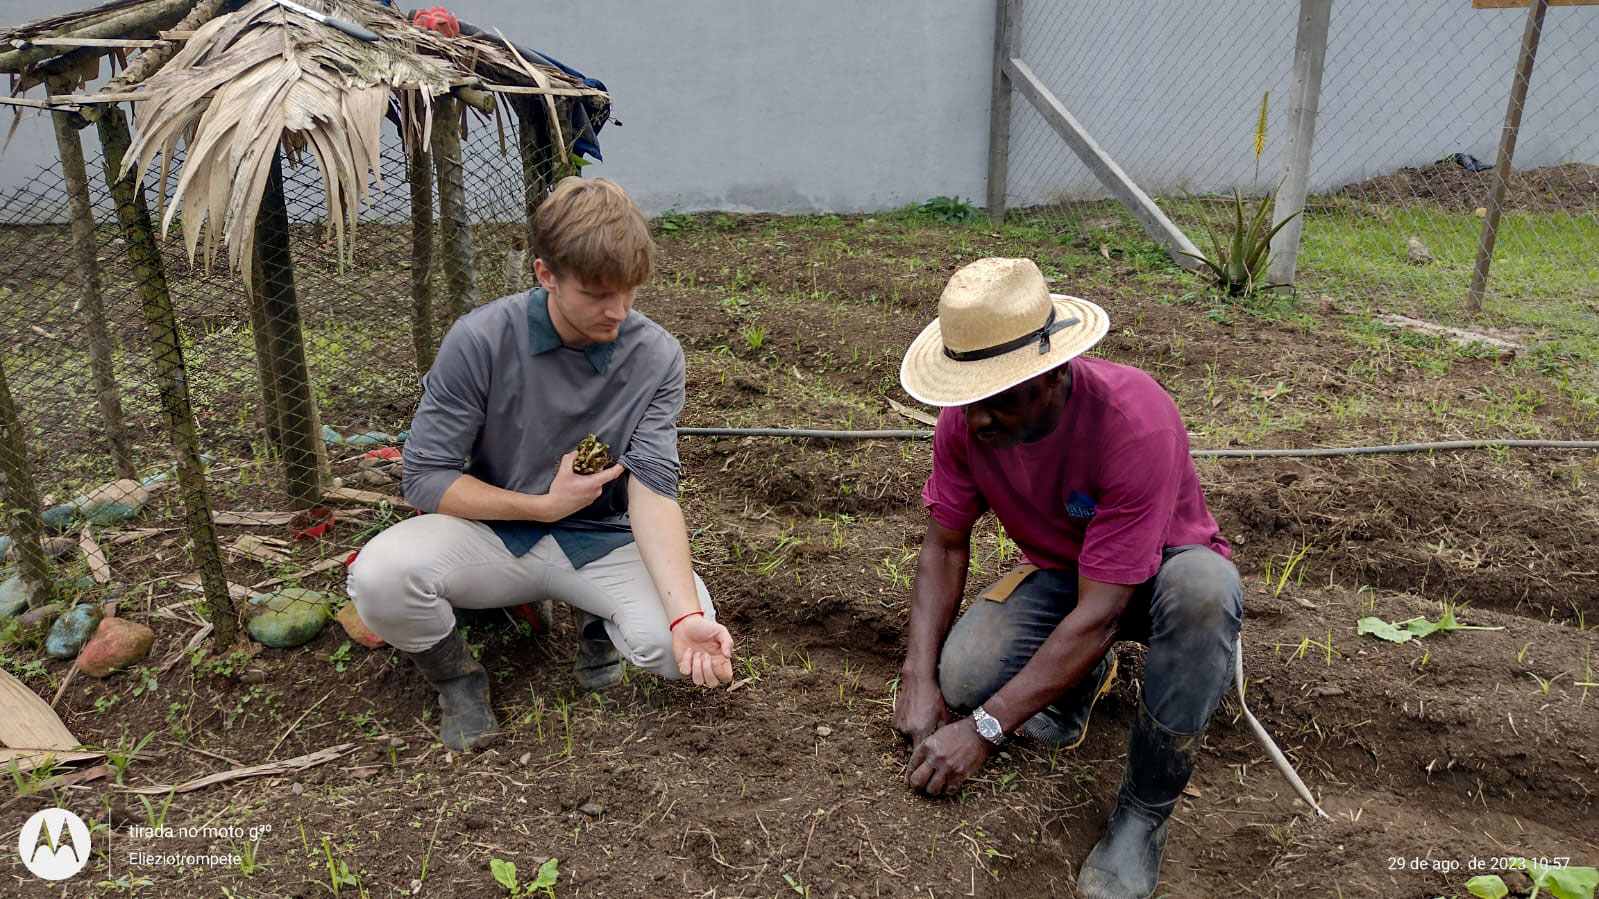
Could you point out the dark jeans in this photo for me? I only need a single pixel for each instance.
(1188, 614)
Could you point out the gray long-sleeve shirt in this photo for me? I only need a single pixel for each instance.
(505, 399)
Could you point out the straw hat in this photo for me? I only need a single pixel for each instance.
(994, 330)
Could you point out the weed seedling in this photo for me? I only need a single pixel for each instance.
(1418, 627)
(505, 875)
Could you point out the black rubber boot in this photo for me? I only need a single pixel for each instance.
(598, 664)
(1064, 722)
(1126, 863)
(466, 718)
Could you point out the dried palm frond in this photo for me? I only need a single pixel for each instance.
(245, 83)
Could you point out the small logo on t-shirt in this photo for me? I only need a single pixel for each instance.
(1080, 505)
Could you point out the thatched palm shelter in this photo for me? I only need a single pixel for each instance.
(221, 94)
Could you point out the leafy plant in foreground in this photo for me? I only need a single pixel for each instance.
(950, 210)
(1415, 627)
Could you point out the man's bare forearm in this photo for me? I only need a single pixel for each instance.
(662, 539)
(468, 497)
(1066, 657)
(935, 595)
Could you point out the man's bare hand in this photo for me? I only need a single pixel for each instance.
(919, 710)
(704, 651)
(946, 759)
(571, 491)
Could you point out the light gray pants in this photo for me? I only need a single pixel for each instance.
(407, 581)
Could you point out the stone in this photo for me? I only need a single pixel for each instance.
(34, 624)
(13, 597)
(117, 644)
(289, 617)
(356, 629)
(72, 630)
(592, 809)
(371, 477)
(823, 730)
(1418, 254)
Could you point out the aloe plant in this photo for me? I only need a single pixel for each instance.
(1239, 263)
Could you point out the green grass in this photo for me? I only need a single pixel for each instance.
(1543, 285)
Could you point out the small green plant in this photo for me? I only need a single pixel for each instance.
(754, 336)
(797, 886)
(674, 221)
(505, 875)
(340, 658)
(950, 210)
(1562, 881)
(1239, 264)
(1419, 626)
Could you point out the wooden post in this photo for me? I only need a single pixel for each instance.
(533, 144)
(171, 379)
(419, 172)
(1507, 150)
(1007, 44)
(267, 369)
(76, 173)
(21, 500)
(281, 310)
(1310, 57)
(455, 234)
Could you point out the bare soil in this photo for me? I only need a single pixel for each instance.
(1573, 187)
(1431, 756)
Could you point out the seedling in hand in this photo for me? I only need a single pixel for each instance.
(592, 456)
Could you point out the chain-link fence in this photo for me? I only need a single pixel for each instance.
(1412, 107)
(144, 395)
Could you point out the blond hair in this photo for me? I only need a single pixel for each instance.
(591, 229)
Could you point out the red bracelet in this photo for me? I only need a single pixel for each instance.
(673, 626)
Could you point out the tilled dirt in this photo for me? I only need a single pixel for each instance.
(1431, 757)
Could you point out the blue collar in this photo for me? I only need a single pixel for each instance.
(542, 338)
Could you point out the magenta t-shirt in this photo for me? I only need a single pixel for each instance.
(1107, 490)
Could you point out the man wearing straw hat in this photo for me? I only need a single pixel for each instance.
(1086, 465)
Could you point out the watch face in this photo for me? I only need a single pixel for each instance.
(988, 727)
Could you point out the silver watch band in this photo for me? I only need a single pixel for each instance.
(988, 726)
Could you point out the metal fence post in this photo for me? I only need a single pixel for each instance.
(1310, 57)
(1007, 43)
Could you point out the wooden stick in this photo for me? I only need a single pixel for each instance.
(455, 231)
(300, 763)
(23, 43)
(419, 175)
(146, 17)
(1507, 150)
(155, 299)
(545, 91)
(90, 299)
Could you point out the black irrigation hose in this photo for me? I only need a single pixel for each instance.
(1199, 454)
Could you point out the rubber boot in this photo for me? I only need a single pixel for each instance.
(1126, 863)
(598, 664)
(1064, 722)
(466, 718)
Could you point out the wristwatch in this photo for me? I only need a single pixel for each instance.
(988, 726)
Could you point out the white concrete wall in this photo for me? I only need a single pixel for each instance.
(755, 105)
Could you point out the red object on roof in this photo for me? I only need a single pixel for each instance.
(437, 19)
